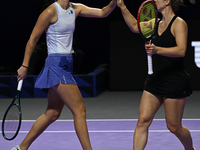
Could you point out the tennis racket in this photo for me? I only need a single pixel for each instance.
(12, 118)
(147, 19)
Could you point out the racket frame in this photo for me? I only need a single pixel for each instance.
(18, 105)
(138, 19)
(147, 40)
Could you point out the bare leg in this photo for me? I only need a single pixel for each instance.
(71, 96)
(55, 106)
(174, 112)
(149, 105)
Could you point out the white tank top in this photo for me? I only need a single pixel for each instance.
(59, 36)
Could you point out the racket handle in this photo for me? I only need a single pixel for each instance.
(19, 86)
(150, 68)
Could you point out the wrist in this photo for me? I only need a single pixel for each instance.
(123, 7)
(25, 66)
(113, 3)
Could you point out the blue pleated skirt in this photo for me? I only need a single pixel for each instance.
(58, 68)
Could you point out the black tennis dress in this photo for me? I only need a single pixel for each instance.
(169, 78)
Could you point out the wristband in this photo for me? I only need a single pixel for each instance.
(24, 66)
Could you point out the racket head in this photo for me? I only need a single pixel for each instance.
(147, 19)
(12, 119)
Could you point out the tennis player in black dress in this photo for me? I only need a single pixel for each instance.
(169, 84)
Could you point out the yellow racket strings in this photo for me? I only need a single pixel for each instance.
(147, 19)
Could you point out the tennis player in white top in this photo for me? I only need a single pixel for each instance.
(59, 22)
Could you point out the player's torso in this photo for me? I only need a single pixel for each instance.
(59, 35)
(163, 65)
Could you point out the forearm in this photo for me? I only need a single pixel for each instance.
(30, 46)
(129, 19)
(105, 11)
(171, 52)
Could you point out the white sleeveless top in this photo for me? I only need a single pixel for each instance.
(59, 36)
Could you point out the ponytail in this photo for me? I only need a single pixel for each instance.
(175, 4)
(192, 1)
(188, 1)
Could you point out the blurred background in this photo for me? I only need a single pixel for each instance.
(98, 43)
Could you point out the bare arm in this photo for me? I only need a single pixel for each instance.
(45, 18)
(179, 30)
(85, 11)
(128, 17)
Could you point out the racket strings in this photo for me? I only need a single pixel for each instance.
(11, 123)
(148, 19)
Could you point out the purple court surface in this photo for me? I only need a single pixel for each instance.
(105, 135)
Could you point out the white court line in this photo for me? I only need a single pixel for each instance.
(124, 119)
(111, 120)
(108, 131)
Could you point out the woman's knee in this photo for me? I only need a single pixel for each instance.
(144, 121)
(173, 128)
(80, 111)
(52, 114)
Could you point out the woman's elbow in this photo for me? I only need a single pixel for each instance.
(103, 15)
(182, 53)
(134, 29)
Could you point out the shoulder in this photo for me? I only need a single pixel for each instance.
(78, 6)
(49, 14)
(50, 11)
(179, 26)
(179, 22)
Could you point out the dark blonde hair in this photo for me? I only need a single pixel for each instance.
(175, 4)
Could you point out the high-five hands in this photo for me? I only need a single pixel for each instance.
(120, 3)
